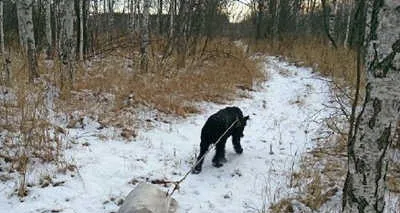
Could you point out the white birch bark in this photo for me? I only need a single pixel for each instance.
(2, 49)
(332, 17)
(21, 21)
(81, 30)
(67, 42)
(24, 11)
(48, 31)
(131, 16)
(375, 126)
(137, 20)
(346, 38)
(172, 11)
(111, 17)
(4, 54)
(145, 40)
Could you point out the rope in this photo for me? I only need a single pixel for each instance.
(176, 183)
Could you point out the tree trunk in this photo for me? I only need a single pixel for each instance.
(260, 12)
(172, 11)
(181, 41)
(24, 11)
(85, 18)
(327, 27)
(2, 49)
(131, 16)
(374, 127)
(48, 31)
(160, 24)
(144, 43)
(57, 23)
(4, 54)
(67, 42)
(138, 19)
(21, 21)
(332, 19)
(275, 27)
(81, 30)
(111, 18)
(311, 16)
(346, 38)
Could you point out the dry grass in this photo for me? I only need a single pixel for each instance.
(110, 88)
(340, 64)
(283, 206)
(213, 75)
(29, 137)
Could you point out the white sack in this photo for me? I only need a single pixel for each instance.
(148, 198)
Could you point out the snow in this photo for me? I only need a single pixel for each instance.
(286, 113)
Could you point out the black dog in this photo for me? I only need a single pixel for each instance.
(215, 127)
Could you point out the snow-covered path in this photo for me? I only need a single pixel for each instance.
(283, 113)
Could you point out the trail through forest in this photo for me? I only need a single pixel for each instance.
(286, 112)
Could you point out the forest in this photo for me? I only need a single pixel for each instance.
(99, 96)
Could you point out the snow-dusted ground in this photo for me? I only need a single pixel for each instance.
(284, 112)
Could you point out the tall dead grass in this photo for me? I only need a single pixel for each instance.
(339, 64)
(212, 74)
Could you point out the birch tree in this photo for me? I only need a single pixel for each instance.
(172, 11)
(374, 127)
(145, 40)
(160, 24)
(24, 12)
(81, 30)
(260, 12)
(275, 27)
(346, 37)
(333, 6)
(21, 21)
(48, 30)
(327, 23)
(138, 19)
(111, 18)
(4, 55)
(67, 42)
(131, 16)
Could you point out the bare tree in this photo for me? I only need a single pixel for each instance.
(48, 31)
(145, 37)
(81, 30)
(275, 26)
(4, 54)
(67, 42)
(346, 38)
(24, 10)
(111, 18)
(160, 18)
(333, 6)
(131, 16)
(138, 19)
(172, 12)
(2, 49)
(374, 127)
(327, 26)
(260, 12)
(21, 21)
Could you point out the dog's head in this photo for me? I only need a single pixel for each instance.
(242, 123)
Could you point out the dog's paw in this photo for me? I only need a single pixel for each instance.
(217, 164)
